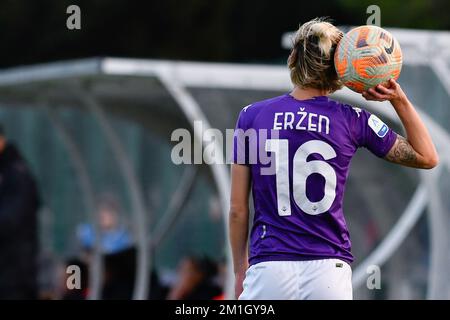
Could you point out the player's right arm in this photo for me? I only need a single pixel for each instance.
(239, 221)
(417, 149)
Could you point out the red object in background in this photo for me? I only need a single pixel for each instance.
(219, 297)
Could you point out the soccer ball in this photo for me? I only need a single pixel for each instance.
(367, 56)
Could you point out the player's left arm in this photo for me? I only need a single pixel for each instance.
(403, 153)
(417, 149)
(239, 221)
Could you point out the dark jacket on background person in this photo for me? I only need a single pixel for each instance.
(19, 203)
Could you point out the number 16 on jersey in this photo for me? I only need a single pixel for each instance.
(302, 169)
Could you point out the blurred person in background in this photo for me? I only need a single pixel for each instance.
(114, 234)
(119, 253)
(19, 204)
(196, 280)
(116, 243)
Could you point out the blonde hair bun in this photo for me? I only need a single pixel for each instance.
(325, 32)
(311, 62)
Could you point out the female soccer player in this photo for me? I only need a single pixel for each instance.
(299, 242)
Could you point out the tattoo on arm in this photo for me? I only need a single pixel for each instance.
(402, 152)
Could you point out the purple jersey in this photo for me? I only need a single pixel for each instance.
(298, 205)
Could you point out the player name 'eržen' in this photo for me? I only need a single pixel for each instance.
(301, 120)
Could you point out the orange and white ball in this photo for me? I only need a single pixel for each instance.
(367, 56)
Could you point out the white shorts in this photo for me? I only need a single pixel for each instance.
(327, 279)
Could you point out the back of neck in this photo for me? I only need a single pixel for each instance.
(307, 93)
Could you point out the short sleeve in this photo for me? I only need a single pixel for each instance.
(371, 132)
(240, 141)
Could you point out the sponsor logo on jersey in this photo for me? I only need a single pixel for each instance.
(378, 126)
